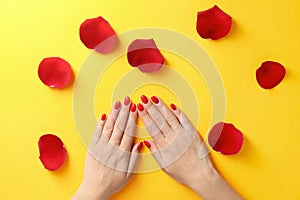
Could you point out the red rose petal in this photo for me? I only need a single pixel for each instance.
(144, 54)
(96, 33)
(213, 23)
(225, 138)
(270, 74)
(52, 151)
(55, 72)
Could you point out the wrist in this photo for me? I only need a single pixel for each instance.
(207, 186)
(211, 186)
(85, 192)
(203, 181)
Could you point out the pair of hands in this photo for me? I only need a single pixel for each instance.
(177, 147)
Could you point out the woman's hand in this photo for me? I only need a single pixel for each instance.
(111, 157)
(179, 150)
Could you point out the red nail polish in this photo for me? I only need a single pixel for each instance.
(173, 106)
(140, 107)
(126, 101)
(117, 105)
(103, 117)
(155, 99)
(144, 99)
(147, 144)
(140, 146)
(133, 107)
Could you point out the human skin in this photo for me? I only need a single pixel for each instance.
(192, 168)
(100, 181)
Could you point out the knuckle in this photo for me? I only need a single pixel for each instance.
(114, 141)
(172, 120)
(108, 127)
(124, 147)
(159, 120)
(121, 125)
(130, 130)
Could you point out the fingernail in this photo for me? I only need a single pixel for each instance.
(117, 105)
(155, 99)
(140, 107)
(126, 101)
(140, 146)
(147, 143)
(133, 107)
(103, 117)
(144, 99)
(173, 106)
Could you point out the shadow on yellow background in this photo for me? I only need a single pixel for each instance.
(267, 166)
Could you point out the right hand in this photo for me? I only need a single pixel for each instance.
(179, 150)
(177, 147)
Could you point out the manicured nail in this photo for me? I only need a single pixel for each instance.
(144, 99)
(155, 99)
(140, 107)
(103, 117)
(173, 106)
(126, 101)
(147, 143)
(133, 107)
(117, 105)
(140, 146)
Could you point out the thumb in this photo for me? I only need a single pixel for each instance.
(154, 149)
(134, 156)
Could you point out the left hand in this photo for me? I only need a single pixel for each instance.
(111, 157)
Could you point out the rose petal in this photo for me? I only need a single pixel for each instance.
(270, 74)
(55, 72)
(96, 33)
(213, 23)
(225, 138)
(52, 152)
(144, 54)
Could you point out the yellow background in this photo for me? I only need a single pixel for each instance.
(266, 168)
